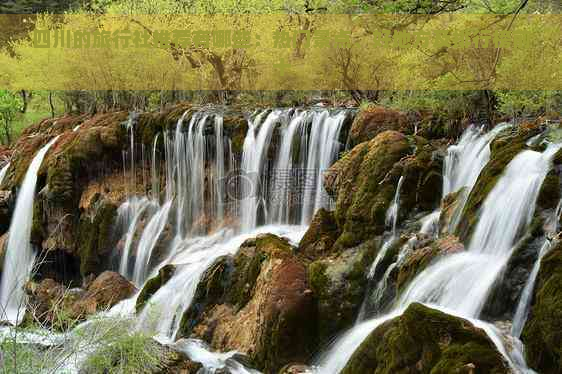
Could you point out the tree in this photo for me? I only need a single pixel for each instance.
(10, 104)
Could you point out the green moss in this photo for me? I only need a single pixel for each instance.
(338, 284)
(247, 267)
(235, 128)
(95, 238)
(320, 236)
(367, 184)
(549, 194)
(425, 340)
(38, 232)
(542, 333)
(153, 285)
(211, 290)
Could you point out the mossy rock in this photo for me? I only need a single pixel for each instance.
(95, 237)
(425, 340)
(339, 284)
(374, 120)
(542, 333)
(364, 183)
(549, 194)
(320, 236)
(235, 127)
(153, 285)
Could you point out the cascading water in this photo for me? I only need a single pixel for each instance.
(256, 145)
(464, 162)
(391, 220)
(295, 180)
(459, 284)
(282, 182)
(3, 172)
(19, 257)
(463, 281)
(323, 147)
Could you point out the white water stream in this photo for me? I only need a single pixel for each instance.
(19, 257)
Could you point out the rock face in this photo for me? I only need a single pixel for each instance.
(425, 340)
(372, 121)
(258, 303)
(95, 235)
(7, 203)
(422, 257)
(153, 285)
(363, 186)
(364, 182)
(542, 333)
(320, 236)
(51, 303)
(339, 283)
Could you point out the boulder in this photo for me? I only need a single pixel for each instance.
(320, 236)
(421, 258)
(95, 235)
(542, 333)
(105, 291)
(339, 284)
(363, 183)
(257, 302)
(424, 340)
(373, 120)
(153, 285)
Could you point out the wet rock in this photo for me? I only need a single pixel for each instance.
(49, 303)
(295, 369)
(95, 236)
(450, 206)
(258, 303)
(420, 258)
(339, 283)
(504, 297)
(153, 285)
(363, 183)
(105, 291)
(372, 121)
(426, 340)
(320, 236)
(542, 333)
(7, 203)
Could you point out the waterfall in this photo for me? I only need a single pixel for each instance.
(19, 257)
(147, 241)
(130, 213)
(323, 147)
(524, 304)
(464, 162)
(255, 148)
(295, 180)
(391, 220)
(154, 174)
(3, 172)
(283, 185)
(462, 281)
(193, 257)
